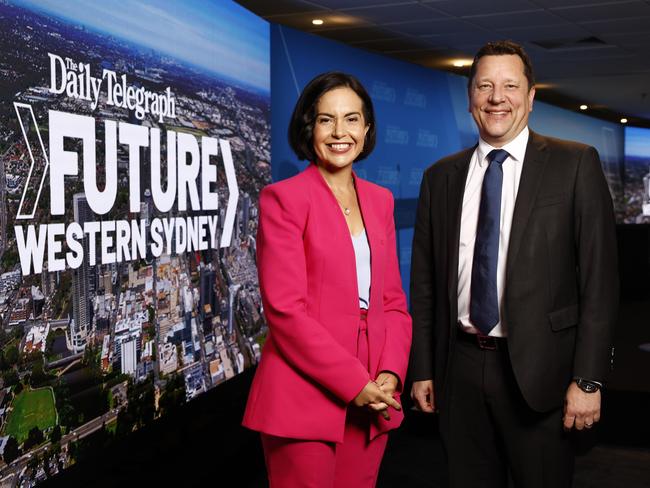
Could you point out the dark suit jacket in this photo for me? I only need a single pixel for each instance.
(561, 287)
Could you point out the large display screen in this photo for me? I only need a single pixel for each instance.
(134, 141)
(637, 175)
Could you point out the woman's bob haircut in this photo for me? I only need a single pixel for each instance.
(301, 126)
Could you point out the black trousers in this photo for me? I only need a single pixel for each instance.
(489, 433)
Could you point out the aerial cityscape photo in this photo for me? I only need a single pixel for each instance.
(98, 349)
(637, 175)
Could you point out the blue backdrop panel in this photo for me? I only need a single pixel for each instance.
(422, 115)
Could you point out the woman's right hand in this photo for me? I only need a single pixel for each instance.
(376, 400)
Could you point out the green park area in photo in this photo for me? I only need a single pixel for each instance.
(31, 408)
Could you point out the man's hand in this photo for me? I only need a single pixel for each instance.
(387, 382)
(581, 410)
(422, 395)
(375, 399)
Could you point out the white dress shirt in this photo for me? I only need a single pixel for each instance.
(478, 165)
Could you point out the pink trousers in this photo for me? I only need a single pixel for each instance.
(295, 463)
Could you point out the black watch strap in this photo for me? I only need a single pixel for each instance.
(587, 386)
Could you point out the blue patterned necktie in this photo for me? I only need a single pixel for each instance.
(484, 300)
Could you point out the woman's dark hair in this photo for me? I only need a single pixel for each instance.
(301, 126)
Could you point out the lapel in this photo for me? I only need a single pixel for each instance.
(531, 178)
(456, 178)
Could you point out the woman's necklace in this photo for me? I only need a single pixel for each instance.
(346, 209)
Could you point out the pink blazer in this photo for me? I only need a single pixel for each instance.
(309, 372)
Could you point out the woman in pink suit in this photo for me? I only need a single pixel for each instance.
(327, 388)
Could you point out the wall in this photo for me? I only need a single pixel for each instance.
(422, 115)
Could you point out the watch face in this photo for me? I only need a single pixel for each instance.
(587, 386)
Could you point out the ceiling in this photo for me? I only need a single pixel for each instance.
(593, 52)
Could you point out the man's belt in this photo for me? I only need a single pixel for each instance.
(487, 343)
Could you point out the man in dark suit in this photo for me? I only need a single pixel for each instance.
(514, 289)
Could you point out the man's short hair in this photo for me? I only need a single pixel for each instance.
(301, 126)
(500, 48)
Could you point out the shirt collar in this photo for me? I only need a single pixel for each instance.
(516, 148)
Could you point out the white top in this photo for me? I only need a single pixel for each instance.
(362, 258)
(478, 165)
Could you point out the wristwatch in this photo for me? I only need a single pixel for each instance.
(588, 386)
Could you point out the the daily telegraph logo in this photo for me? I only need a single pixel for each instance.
(76, 81)
(190, 167)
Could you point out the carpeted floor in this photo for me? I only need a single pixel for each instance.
(611, 466)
